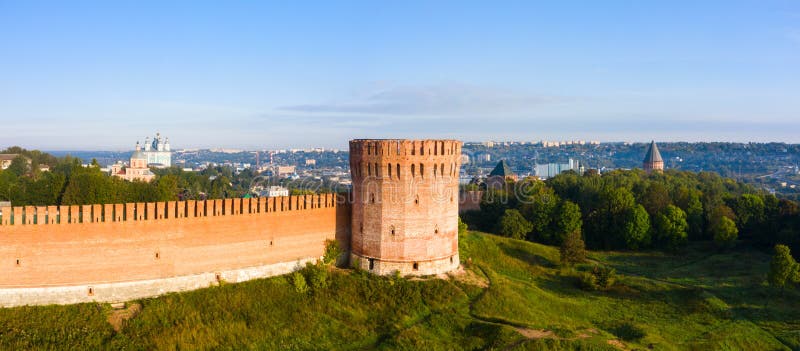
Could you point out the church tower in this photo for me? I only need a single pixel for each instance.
(652, 160)
(405, 205)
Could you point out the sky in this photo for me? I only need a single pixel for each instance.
(81, 75)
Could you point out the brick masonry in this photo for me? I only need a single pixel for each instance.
(405, 205)
(145, 249)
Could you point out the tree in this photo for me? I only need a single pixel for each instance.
(566, 221)
(167, 188)
(670, 228)
(782, 269)
(539, 205)
(513, 225)
(725, 232)
(573, 250)
(607, 225)
(636, 232)
(655, 198)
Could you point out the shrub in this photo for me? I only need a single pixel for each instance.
(333, 252)
(598, 278)
(627, 331)
(587, 281)
(573, 250)
(606, 276)
(299, 282)
(316, 275)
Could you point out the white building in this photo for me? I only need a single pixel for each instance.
(157, 152)
(550, 170)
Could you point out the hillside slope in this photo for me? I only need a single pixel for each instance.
(512, 296)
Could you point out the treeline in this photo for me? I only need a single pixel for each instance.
(69, 182)
(633, 210)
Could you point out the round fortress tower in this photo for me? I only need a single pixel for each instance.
(405, 205)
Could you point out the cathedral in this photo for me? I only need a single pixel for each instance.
(157, 153)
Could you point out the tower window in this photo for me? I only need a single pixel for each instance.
(389, 170)
(413, 171)
(158, 255)
(18, 262)
(371, 263)
(91, 291)
(392, 230)
(416, 266)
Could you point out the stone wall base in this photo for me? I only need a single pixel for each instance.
(125, 291)
(386, 267)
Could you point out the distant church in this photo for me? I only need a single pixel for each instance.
(652, 160)
(157, 153)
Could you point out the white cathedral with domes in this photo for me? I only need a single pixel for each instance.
(157, 152)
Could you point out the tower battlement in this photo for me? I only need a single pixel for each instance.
(405, 205)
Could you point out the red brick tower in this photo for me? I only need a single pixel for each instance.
(405, 205)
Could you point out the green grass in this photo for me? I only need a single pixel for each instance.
(696, 300)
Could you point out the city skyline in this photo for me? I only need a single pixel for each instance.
(92, 76)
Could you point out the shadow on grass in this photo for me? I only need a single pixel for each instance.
(526, 256)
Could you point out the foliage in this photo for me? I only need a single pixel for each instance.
(298, 281)
(333, 252)
(782, 269)
(513, 225)
(725, 232)
(598, 278)
(462, 227)
(636, 232)
(670, 228)
(316, 275)
(573, 249)
(633, 210)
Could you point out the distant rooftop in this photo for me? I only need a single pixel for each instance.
(652, 153)
(502, 169)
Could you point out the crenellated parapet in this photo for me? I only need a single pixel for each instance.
(159, 211)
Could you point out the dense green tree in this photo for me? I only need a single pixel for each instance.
(782, 269)
(749, 211)
(670, 228)
(539, 203)
(655, 198)
(689, 201)
(606, 225)
(725, 232)
(567, 220)
(167, 188)
(636, 232)
(513, 225)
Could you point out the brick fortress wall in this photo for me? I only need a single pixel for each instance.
(118, 252)
(405, 205)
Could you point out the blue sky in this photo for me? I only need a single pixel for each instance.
(258, 74)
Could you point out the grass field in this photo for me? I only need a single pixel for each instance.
(512, 296)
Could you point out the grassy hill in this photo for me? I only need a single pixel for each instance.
(512, 296)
